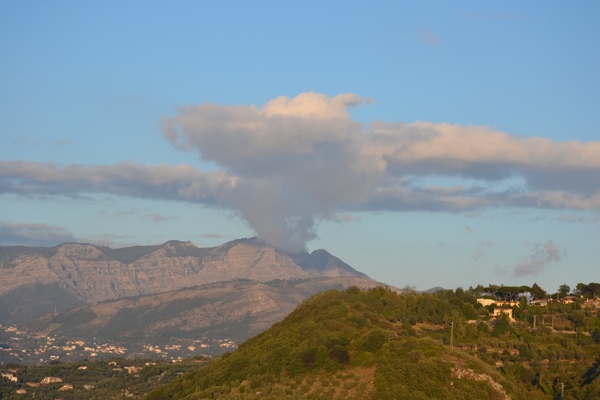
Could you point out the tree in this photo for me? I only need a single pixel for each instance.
(501, 325)
(590, 290)
(563, 290)
(537, 292)
(596, 335)
(594, 288)
(506, 293)
(577, 317)
(579, 289)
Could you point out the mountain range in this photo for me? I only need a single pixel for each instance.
(172, 290)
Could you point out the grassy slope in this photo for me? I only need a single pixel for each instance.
(352, 344)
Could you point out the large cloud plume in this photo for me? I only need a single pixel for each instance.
(298, 160)
(294, 161)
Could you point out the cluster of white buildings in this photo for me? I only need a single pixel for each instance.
(48, 380)
(192, 347)
(41, 350)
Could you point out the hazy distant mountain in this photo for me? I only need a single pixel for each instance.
(234, 309)
(433, 289)
(38, 280)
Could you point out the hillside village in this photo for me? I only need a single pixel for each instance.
(17, 346)
(113, 378)
(499, 307)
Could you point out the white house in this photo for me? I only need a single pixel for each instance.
(486, 302)
(499, 311)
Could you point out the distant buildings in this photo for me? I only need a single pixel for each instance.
(50, 379)
(541, 302)
(568, 299)
(536, 302)
(10, 377)
(499, 311)
(486, 302)
(42, 350)
(66, 386)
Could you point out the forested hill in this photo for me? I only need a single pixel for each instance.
(379, 344)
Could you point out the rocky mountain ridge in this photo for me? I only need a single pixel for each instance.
(233, 310)
(36, 281)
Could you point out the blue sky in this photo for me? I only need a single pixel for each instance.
(430, 144)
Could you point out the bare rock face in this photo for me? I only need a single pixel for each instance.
(233, 309)
(89, 274)
(245, 261)
(36, 281)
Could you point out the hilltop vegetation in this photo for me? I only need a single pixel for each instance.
(115, 378)
(375, 344)
(380, 344)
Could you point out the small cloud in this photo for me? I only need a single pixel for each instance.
(34, 235)
(468, 229)
(429, 37)
(552, 251)
(24, 140)
(538, 261)
(485, 243)
(63, 142)
(159, 217)
(123, 213)
(440, 245)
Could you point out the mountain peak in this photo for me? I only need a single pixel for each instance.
(81, 273)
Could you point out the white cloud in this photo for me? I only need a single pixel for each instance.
(484, 244)
(293, 162)
(166, 182)
(538, 260)
(157, 217)
(298, 160)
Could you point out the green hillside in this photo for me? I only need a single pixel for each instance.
(382, 345)
(115, 379)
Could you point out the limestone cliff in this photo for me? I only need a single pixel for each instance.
(36, 281)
